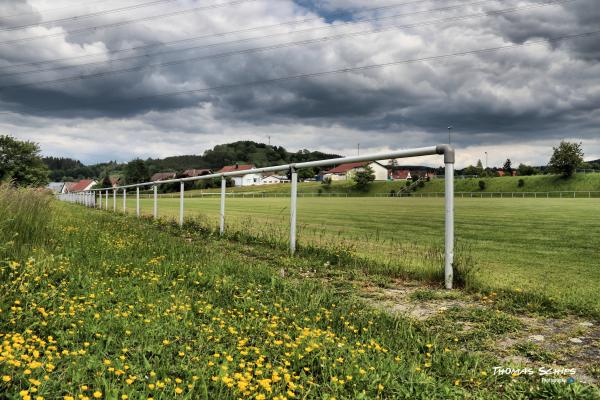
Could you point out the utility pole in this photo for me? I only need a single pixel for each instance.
(269, 140)
(486, 160)
(358, 149)
(449, 131)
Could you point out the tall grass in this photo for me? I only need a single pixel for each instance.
(25, 216)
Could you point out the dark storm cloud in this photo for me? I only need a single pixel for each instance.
(530, 93)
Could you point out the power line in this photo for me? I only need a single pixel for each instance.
(122, 23)
(339, 71)
(354, 22)
(220, 34)
(278, 46)
(55, 9)
(85, 16)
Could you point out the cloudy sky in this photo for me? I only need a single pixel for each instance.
(143, 78)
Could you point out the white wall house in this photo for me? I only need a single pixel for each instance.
(242, 180)
(274, 179)
(247, 180)
(346, 171)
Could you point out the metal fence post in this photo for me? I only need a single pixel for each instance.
(181, 189)
(137, 201)
(449, 237)
(114, 199)
(124, 200)
(100, 197)
(222, 213)
(106, 202)
(293, 196)
(155, 210)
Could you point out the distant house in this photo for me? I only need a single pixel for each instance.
(196, 172)
(56, 187)
(81, 186)
(347, 171)
(400, 175)
(163, 176)
(68, 186)
(242, 180)
(274, 179)
(114, 181)
(502, 173)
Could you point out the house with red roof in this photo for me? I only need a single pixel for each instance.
(196, 172)
(244, 179)
(400, 175)
(163, 176)
(346, 171)
(81, 186)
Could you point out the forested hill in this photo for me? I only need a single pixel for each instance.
(247, 152)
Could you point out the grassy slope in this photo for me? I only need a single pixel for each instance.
(118, 308)
(547, 247)
(538, 183)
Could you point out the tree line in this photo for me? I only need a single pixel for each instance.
(22, 164)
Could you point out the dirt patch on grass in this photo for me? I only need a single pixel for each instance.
(414, 299)
(519, 341)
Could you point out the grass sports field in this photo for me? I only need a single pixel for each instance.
(546, 246)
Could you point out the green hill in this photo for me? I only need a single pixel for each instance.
(535, 183)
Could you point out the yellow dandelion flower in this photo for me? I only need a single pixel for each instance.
(178, 390)
(97, 394)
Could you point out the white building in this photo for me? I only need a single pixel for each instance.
(243, 180)
(274, 179)
(346, 171)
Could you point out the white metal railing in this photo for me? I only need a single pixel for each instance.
(88, 198)
(564, 194)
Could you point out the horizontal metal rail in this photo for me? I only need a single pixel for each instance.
(88, 197)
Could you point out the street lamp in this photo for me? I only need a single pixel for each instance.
(486, 160)
(449, 131)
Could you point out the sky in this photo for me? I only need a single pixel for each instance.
(118, 79)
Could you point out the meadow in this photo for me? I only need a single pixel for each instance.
(546, 247)
(97, 305)
(508, 184)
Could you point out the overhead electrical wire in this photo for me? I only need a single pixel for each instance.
(219, 34)
(47, 10)
(86, 16)
(331, 72)
(145, 55)
(123, 23)
(281, 45)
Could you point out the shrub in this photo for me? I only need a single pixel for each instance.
(363, 178)
(521, 183)
(326, 181)
(392, 193)
(482, 185)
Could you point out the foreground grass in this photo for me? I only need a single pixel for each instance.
(545, 247)
(115, 308)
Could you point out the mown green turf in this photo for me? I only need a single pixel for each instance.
(110, 307)
(548, 247)
(537, 183)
